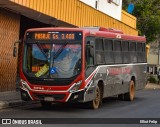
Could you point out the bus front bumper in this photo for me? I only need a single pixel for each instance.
(50, 96)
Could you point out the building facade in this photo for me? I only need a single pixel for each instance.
(18, 15)
(153, 59)
(110, 7)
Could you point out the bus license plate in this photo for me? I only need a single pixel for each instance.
(49, 99)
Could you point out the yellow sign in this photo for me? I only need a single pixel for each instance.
(42, 71)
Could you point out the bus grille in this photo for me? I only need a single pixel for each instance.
(55, 96)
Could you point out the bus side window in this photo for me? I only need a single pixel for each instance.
(125, 54)
(144, 52)
(132, 52)
(109, 56)
(99, 54)
(139, 52)
(117, 52)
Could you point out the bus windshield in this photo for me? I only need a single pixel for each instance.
(52, 60)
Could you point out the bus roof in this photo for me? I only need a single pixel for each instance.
(95, 31)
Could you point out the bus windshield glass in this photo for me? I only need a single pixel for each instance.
(52, 60)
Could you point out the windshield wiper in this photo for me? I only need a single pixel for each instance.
(59, 51)
(39, 46)
(57, 54)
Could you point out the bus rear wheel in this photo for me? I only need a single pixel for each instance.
(131, 94)
(95, 104)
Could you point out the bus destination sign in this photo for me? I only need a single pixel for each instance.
(55, 36)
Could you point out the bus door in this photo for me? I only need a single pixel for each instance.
(89, 68)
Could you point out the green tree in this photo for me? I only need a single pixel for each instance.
(148, 17)
(125, 4)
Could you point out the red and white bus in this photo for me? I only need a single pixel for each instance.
(81, 65)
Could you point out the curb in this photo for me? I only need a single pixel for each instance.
(15, 103)
(152, 86)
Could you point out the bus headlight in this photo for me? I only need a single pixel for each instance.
(75, 87)
(24, 84)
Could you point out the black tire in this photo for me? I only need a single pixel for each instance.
(95, 104)
(46, 104)
(131, 94)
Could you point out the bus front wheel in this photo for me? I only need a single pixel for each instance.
(131, 94)
(95, 104)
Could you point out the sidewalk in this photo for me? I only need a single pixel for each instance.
(12, 98)
(152, 86)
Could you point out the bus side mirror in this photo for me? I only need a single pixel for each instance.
(15, 48)
(15, 51)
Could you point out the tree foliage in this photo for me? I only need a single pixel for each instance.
(148, 17)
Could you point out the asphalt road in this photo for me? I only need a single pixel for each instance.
(145, 105)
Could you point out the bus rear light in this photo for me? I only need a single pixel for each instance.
(75, 87)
